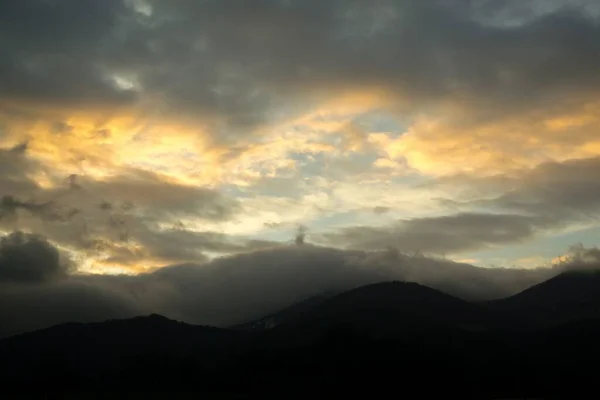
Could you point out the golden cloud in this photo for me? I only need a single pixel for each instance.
(100, 143)
(457, 142)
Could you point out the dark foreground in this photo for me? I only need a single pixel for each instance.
(403, 339)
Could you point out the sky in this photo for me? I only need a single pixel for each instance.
(140, 136)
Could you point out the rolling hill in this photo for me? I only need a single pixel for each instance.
(387, 308)
(391, 336)
(568, 297)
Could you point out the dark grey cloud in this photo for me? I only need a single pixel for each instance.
(143, 240)
(292, 273)
(556, 192)
(14, 169)
(581, 256)
(549, 196)
(380, 210)
(130, 219)
(146, 190)
(440, 235)
(564, 191)
(238, 288)
(426, 50)
(242, 62)
(52, 51)
(300, 238)
(31, 307)
(18, 188)
(135, 207)
(175, 244)
(30, 258)
(46, 211)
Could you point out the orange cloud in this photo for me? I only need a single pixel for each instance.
(100, 143)
(443, 144)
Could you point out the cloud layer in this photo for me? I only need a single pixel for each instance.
(30, 258)
(140, 134)
(238, 288)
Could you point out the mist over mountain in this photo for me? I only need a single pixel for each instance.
(230, 290)
(355, 341)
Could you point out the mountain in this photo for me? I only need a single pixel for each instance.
(282, 316)
(570, 296)
(384, 309)
(395, 337)
(89, 354)
(418, 340)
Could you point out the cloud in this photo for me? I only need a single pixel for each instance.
(15, 167)
(238, 288)
(128, 218)
(180, 245)
(217, 75)
(188, 126)
(580, 258)
(484, 212)
(300, 238)
(150, 191)
(48, 211)
(519, 206)
(61, 59)
(567, 190)
(30, 258)
(438, 144)
(544, 198)
(440, 235)
(30, 307)
(225, 60)
(560, 193)
(379, 210)
(232, 82)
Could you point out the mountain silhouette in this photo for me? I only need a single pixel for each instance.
(287, 314)
(387, 308)
(570, 296)
(88, 354)
(396, 337)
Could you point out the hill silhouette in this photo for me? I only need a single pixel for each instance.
(282, 316)
(88, 355)
(387, 308)
(396, 336)
(570, 296)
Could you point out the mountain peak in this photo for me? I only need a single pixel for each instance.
(157, 317)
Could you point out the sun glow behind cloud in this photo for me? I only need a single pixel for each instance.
(351, 120)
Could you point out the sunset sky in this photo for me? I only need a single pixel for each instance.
(137, 134)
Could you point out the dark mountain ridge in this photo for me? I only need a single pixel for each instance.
(570, 296)
(395, 307)
(367, 340)
(283, 315)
